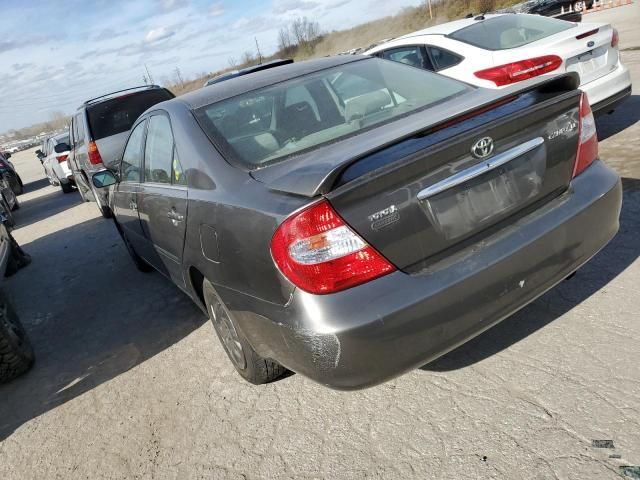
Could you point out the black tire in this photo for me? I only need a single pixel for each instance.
(16, 353)
(66, 187)
(17, 186)
(251, 366)
(137, 259)
(105, 211)
(11, 221)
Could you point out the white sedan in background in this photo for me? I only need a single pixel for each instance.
(56, 165)
(494, 51)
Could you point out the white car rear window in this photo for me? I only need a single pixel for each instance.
(510, 31)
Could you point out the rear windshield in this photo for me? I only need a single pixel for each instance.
(63, 139)
(303, 113)
(118, 115)
(510, 31)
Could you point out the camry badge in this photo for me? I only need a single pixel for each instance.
(590, 44)
(482, 148)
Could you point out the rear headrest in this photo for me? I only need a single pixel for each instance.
(366, 104)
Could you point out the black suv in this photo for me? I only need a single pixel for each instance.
(98, 131)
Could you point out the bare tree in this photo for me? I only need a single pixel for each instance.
(284, 40)
(247, 58)
(233, 62)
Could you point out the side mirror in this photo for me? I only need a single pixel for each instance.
(39, 153)
(62, 147)
(104, 178)
(7, 155)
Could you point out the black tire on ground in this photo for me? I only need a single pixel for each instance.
(18, 188)
(16, 353)
(18, 258)
(137, 259)
(251, 366)
(66, 187)
(11, 221)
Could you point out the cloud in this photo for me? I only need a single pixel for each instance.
(171, 5)
(108, 34)
(157, 34)
(216, 10)
(19, 67)
(284, 6)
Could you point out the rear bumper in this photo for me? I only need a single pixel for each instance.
(371, 333)
(611, 103)
(607, 90)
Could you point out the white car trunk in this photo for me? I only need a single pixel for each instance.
(585, 49)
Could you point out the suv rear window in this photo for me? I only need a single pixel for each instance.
(119, 114)
(264, 125)
(510, 31)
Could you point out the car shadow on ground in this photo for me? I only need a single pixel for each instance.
(36, 185)
(45, 206)
(624, 116)
(621, 252)
(90, 315)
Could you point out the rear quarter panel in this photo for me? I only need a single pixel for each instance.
(230, 218)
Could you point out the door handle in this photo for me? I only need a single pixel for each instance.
(175, 217)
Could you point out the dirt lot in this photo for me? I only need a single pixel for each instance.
(130, 381)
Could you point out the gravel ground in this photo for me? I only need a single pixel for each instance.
(131, 382)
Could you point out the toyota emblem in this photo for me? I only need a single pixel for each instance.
(482, 148)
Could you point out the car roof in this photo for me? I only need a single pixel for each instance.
(450, 27)
(246, 83)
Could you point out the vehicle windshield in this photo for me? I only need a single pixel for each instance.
(303, 113)
(510, 31)
(118, 114)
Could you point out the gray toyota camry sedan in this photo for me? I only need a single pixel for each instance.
(353, 218)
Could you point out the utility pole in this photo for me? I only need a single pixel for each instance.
(148, 74)
(258, 48)
(430, 14)
(179, 76)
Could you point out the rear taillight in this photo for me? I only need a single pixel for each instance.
(61, 158)
(518, 71)
(615, 38)
(588, 140)
(94, 154)
(318, 252)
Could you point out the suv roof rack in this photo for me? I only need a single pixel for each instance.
(93, 100)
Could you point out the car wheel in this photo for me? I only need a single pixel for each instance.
(16, 353)
(105, 211)
(251, 366)
(10, 221)
(17, 186)
(66, 187)
(137, 259)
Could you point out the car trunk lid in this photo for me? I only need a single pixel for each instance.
(416, 198)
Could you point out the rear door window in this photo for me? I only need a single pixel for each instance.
(131, 166)
(118, 114)
(443, 58)
(158, 152)
(413, 55)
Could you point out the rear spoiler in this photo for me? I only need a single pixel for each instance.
(315, 173)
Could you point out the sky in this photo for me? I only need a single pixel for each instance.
(56, 54)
